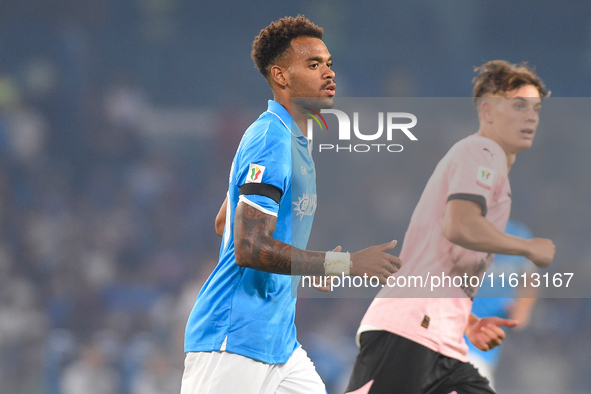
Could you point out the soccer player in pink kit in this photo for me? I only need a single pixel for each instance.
(416, 345)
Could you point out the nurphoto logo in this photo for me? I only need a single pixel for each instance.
(395, 123)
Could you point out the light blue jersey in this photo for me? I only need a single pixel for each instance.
(243, 310)
(494, 301)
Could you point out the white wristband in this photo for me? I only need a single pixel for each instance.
(337, 263)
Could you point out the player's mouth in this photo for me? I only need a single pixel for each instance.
(330, 89)
(528, 133)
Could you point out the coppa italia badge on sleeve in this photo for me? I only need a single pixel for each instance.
(484, 177)
(255, 173)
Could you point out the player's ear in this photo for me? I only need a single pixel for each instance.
(485, 110)
(278, 75)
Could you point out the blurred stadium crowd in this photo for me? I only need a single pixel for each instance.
(115, 144)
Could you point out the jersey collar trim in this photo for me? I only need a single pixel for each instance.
(279, 111)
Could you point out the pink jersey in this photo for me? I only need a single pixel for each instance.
(474, 169)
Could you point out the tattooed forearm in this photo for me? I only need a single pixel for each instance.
(256, 248)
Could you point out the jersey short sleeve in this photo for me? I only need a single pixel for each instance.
(475, 169)
(263, 169)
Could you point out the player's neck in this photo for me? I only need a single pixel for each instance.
(296, 113)
(298, 116)
(511, 157)
(490, 134)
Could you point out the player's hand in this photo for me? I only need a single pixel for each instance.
(325, 283)
(487, 333)
(374, 261)
(541, 251)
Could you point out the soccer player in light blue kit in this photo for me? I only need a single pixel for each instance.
(506, 302)
(241, 336)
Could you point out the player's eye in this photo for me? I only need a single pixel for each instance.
(314, 65)
(329, 65)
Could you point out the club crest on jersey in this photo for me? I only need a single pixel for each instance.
(484, 177)
(255, 173)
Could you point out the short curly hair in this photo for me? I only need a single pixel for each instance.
(499, 77)
(274, 40)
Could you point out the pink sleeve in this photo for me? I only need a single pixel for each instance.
(473, 175)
